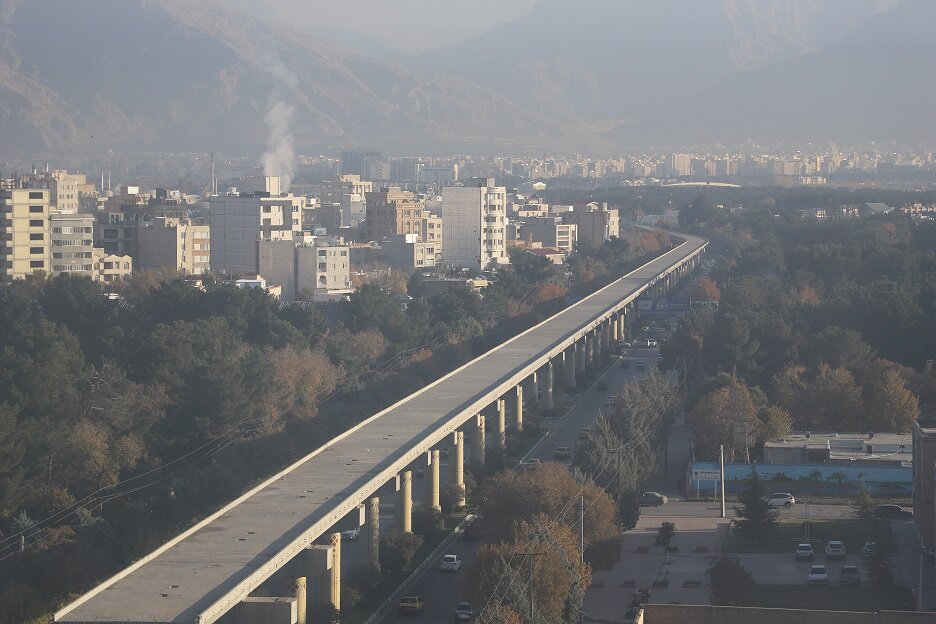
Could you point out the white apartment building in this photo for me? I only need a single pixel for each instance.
(72, 238)
(350, 192)
(176, 244)
(474, 223)
(239, 221)
(304, 269)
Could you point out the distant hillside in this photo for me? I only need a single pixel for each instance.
(176, 75)
(597, 60)
(876, 84)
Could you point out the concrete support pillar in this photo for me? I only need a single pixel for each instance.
(432, 481)
(596, 349)
(404, 503)
(457, 466)
(570, 366)
(372, 532)
(580, 354)
(559, 374)
(297, 589)
(606, 339)
(262, 610)
(518, 412)
(589, 352)
(501, 424)
(547, 378)
(477, 439)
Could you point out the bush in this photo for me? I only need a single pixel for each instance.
(730, 580)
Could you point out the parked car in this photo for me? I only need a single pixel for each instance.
(609, 400)
(450, 563)
(835, 549)
(351, 534)
(892, 512)
(625, 345)
(781, 499)
(818, 575)
(850, 575)
(463, 612)
(805, 552)
(652, 498)
(868, 548)
(410, 605)
(474, 528)
(562, 453)
(602, 385)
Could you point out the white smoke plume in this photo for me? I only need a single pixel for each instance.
(280, 157)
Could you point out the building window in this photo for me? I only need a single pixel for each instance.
(36, 237)
(36, 264)
(36, 209)
(35, 223)
(36, 250)
(36, 195)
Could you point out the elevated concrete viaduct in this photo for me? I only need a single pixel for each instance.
(258, 560)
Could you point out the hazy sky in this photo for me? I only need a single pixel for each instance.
(408, 25)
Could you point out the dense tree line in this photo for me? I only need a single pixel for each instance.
(122, 420)
(825, 326)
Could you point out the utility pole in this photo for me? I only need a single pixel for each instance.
(721, 463)
(530, 568)
(582, 528)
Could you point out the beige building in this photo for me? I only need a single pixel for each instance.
(474, 225)
(392, 211)
(432, 232)
(110, 268)
(304, 269)
(179, 244)
(25, 233)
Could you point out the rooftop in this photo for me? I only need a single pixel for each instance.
(864, 446)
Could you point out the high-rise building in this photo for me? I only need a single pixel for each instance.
(239, 221)
(25, 232)
(680, 165)
(350, 192)
(392, 211)
(474, 223)
(176, 244)
(72, 237)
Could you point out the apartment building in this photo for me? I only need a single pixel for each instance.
(350, 192)
(392, 211)
(25, 232)
(550, 231)
(182, 245)
(238, 221)
(72, 241)
(305, 269)
(474, 222)
(594, 223)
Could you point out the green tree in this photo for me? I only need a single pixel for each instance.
(864, 504)
(730, 580)
(756, 517)
(397, 551)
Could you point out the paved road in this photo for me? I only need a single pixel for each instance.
(441, 591)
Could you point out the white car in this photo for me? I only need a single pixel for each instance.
(450, 563)
(351, 534)
(818, 575)
(463, 612)
(835, 549)
(781, 499)
(805, 552)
